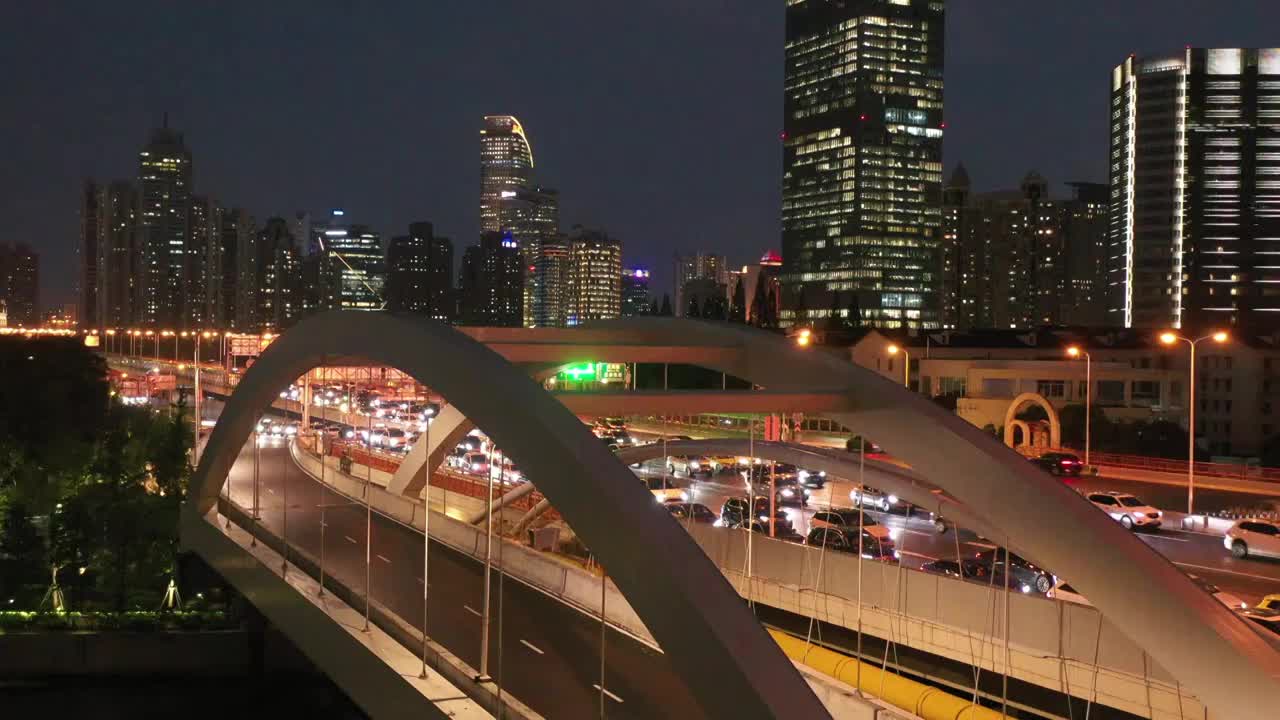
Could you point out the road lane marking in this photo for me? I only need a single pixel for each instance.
(612, 697)
(1231, 572)
(351, 540)
(384, 560)
(531, 646)
(1164, 537)
(473, 611)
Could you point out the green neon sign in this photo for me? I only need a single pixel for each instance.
(580, 371)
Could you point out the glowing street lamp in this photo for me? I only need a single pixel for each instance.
(906, 363)
(1172, 338)
(1076, 352)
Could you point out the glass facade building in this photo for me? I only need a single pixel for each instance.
(164, 227)
(635, 292)
(506, 163)
(595, 277)
(352, 267)
(862, 160)
(1195, 190)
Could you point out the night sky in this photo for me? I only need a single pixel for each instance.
(657, 120)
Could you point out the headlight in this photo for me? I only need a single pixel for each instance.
(893, 499)
(718, 523)
(788, 492)
(684, 496)
(693, 464)
(1159, 513)
(475, 467)
(894, 533)
(804, 474)
(1138, 515)
(853, 495)
(1026, 589)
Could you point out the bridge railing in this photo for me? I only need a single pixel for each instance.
(1205, 469)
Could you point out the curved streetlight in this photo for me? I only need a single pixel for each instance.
(1171, 338)
(1076, 352)
(906, 363)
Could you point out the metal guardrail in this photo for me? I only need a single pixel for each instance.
(1205, 469)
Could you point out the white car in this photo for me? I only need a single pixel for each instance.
(1253, 537)
(690, 466)
(1126, 509)
(1225, 598)
(873, 498)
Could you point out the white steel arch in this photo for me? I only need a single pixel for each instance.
(731, 665)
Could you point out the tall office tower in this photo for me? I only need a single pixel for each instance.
(352, 264)
(1195, 190)
(164, 190)
(201, 239)
(551, 284)
(89, 256)
(532, 215)
(698, 266)
(635, 292)
(595, 276)
(862, 159)
(1085, 229)
(213, 264)
(420, 273)
(236, 235)
(20, 283)
(506, 164)
(1018, 258)
(278, 276)
(490, 283)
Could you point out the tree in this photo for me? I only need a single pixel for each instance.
(738, 310)
(769, 317)
(802, 306)
(653, 307)
(22, 552)
(666, 306)
(692, 310)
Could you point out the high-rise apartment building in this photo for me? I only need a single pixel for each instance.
(551, 284)
(352, 264)
(164, 227)
(1195, 190)
(89, 255)
(698, 266)
(236, 300)
(490, 287)
(506, 164)
(595, 276)
(20, 284)
(202, 250)
(420, 273)
(862, 159)
(635, 292)
(1020, 259)
(277, 281)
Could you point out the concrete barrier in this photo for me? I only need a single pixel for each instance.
(1063, 646)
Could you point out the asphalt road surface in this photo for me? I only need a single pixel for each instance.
(545, 653)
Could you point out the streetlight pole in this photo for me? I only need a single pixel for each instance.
(906, 364)
(1074, 351)
(1169, 338)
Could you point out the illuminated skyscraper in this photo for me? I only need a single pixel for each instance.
(551, 284)
(595, 276)
(862, 159)
(532, 215)
(1195, 190)
(506, 165)
(635, 292)
(352, 264)
(420, 273)
(164, 226)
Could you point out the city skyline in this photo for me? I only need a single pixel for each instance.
(257, 161)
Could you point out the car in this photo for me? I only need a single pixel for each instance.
(781, 531)
(847, 519)
(698, 512)
(787, 491)
(1058, 463)
(665, 491)
(476, 463)
(874, 498)
(812, 479)
(1024, 575)
(612, 423)
(1262, 617)
(966, 570)
(1128, 510)
(691, 465)
(846, 540)
(1270, 602)
(1218, 594)
(735, 513)
(1253, 536)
